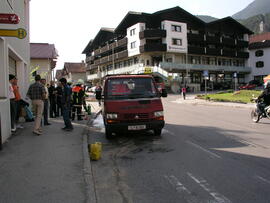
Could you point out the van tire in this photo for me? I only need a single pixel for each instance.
(108, 133)
(157, 132)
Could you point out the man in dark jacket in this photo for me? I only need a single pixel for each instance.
(265, 95)
(52, 99)
(66, 102)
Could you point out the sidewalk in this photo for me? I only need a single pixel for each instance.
(53, 167)
(191, 99)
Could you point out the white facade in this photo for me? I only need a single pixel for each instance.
(175, 35)
(134, 41)
(14, 58)
(253, 59)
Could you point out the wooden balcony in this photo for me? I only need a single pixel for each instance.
(199, 38)
(212, 40)
(228, 53)
(155, 33)
(242, 54)
(228, 41)
(196, 50)
(213, 51)
(242, 44)
(152, 47)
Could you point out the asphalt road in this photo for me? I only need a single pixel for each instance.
(205, 154)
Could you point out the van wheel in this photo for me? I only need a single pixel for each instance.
(108, 133)
(157, 132)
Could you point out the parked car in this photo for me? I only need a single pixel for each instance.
(251, 85)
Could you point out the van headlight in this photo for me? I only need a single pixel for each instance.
(158, 114)
(111, 116)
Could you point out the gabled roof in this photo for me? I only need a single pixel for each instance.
(154, 19)
(228, 24)
(75, 67)
(259, 37)
(43, 51)
(103, 35)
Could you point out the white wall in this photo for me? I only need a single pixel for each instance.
(19, 50)
(135, 38)
(167, 25)
(252, 63)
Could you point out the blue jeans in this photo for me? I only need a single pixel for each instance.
(66, 112)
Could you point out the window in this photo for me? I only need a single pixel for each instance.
(259, 53)
(132, 32)
(176, 28)
(260, 64)
(177, 42)
(133, 45)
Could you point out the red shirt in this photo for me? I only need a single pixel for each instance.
(16, 92)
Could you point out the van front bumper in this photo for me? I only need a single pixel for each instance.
(125, 127)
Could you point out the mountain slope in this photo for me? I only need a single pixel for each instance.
(255, 8)
(253, 23)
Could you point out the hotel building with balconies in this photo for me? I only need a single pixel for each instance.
(174, 45)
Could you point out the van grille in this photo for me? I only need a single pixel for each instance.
(135, 116)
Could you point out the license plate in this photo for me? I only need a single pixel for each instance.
(136, 127)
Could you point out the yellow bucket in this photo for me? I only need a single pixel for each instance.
(95, 151)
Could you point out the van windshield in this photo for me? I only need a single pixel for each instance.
(130, 88)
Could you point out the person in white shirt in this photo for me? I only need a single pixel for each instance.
(12, 103)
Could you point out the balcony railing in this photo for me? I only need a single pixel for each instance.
(196, 50)
(242, 44)
(153, 47)
(242, 54)
(155, 33)
(195, 38)
(212, 40)
(228, 53)
(213, 51)
(89, 58)
(200, 67)
(228, 41)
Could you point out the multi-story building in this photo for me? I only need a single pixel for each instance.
(259, 60)
(172, 44)
(14, 58)
(43, 60)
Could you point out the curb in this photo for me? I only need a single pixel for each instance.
(213, 103)
(87, 168)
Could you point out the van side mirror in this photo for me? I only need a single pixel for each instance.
(164, 93)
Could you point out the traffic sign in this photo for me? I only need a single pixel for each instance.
(7, 18)
(148, 70)
(19, 33)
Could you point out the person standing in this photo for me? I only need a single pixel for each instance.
(37, 93)
(184, 91)
(98, 92)
(46, 102)
(17, 102)
(58, 100)
(78, 98)
(66, 103)
(52, 99)
(12, 102)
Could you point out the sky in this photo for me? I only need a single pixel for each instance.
(71, 24)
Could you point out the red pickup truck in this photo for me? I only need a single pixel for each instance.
(131, 103)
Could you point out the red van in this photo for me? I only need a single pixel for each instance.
(131, 103)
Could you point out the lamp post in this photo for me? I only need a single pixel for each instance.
(186, 80)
